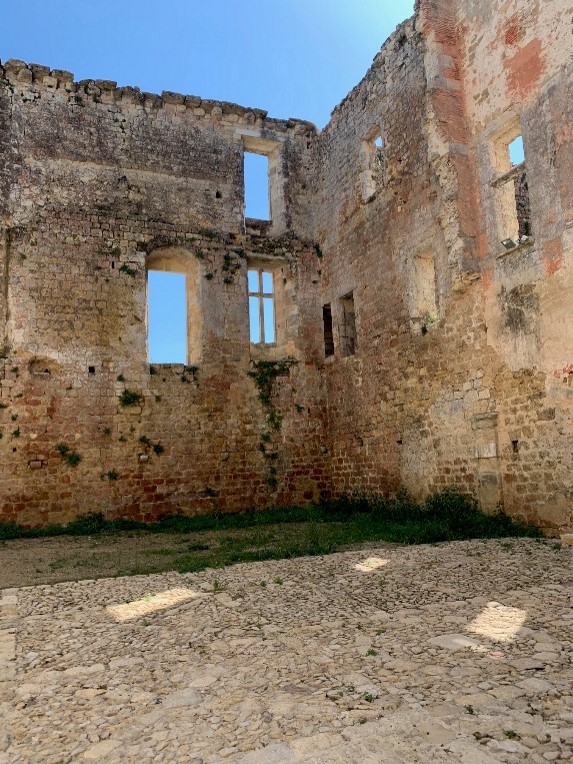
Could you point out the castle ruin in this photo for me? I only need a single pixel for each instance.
(418, 279)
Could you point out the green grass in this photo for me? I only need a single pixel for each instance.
(224, 539)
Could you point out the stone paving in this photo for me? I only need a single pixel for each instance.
(447, 653)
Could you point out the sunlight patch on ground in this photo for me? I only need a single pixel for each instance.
(498, 622)
(150, 603)
(370, 564)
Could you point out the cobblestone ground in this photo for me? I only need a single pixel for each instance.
(448, 653)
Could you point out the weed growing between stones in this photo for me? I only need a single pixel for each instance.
(68, 455)
(130, 398)
(125, 268)
(148, 444)
(189, 373)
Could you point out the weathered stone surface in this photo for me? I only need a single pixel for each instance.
(275, 753)
(100, 751)
(429, 353)
(280, 679)
(453, 642)
(188, 697)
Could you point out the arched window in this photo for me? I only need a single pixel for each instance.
(174, 310)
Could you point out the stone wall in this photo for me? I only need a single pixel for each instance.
(462, 369)
(101, 179)
(378, 218)
(452, 358)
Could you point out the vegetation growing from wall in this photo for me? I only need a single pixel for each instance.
(130, 398)
(264, 374)
(69, 455)
(148, 444)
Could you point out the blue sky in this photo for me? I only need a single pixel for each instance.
(295, 58)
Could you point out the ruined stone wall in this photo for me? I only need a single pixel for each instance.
(448, 354)
(516, 63)
(395, 404)
(448, 384)
(97, 181)
(362, 254)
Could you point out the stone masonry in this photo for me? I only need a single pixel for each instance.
(448, 357)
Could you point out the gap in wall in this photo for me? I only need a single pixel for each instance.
(257, 202)
(167, 317)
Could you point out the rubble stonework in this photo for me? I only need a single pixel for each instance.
(453, 353)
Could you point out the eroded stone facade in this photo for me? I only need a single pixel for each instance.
(452, 353)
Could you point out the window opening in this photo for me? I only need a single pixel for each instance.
(512, 189)
(328, 333)
(167, 317)
(261, 307)
(348, 325)
(373, 161)
(516, 152)
(257, 193)
(517, 157)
